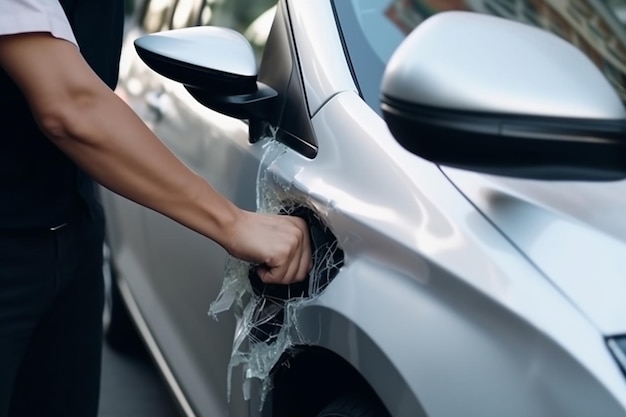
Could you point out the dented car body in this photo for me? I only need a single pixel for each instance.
(454, 275)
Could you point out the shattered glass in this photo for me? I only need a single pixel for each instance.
(267, 325)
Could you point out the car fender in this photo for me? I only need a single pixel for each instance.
(416, 346)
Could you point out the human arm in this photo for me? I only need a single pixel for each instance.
(96, 129)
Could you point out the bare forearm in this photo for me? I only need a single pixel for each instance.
(121, 153)
(95, 128)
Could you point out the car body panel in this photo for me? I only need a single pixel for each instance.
(172, 272)
(573, 231)
(186, 269)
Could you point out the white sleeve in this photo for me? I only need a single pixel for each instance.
(23, 16)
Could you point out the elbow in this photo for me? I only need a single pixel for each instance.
(54, 124)
(67, 119)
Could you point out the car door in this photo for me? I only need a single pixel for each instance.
(186, 269)
(125, 231)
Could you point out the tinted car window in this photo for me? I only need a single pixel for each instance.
(157, 15)
(235, 14)
(251, 18)
(186, 13)
(596, 27)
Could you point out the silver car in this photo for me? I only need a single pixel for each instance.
(462, 175)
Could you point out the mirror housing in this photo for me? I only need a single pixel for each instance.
(216, 65)
(491, 95)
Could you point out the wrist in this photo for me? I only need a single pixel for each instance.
(227, 222)
(218, 216)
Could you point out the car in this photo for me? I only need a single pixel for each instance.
(461, 166)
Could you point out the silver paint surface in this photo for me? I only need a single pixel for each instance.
(575, 232)
(211, 47)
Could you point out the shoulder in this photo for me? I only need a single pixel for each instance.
(26, 16)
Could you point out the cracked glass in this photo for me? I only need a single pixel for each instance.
(267, 324)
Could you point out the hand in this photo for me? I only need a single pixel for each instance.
(279, 244)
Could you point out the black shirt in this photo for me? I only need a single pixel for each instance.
(39, 185)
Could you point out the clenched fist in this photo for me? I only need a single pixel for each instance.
(279, 244)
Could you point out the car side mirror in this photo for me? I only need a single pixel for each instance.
(491, 95)
(216, 65)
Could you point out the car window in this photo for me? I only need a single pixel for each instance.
(157, 15)
(251, 18)
(234, 14)
(186, 13)
(596, 27)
